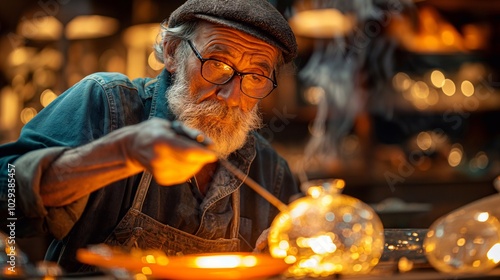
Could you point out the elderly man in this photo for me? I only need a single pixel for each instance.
(110, 162)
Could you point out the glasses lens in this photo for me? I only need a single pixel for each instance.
(217, 72)
(256, 85)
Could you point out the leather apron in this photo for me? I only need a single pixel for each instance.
(137, 229)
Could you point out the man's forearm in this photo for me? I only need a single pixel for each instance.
(151, 145)
(80, 171)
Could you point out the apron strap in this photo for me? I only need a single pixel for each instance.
(143, 187)
(142, 190)
(235, 223)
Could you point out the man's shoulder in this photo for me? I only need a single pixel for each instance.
(260, 140)
(263, 146)
(109, 79)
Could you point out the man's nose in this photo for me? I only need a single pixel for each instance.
(231, 92)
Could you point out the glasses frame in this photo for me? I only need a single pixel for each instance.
(235, 72)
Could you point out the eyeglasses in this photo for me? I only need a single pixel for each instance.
(219, 73)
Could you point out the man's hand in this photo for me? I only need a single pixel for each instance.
(169, 150)
(261, 243)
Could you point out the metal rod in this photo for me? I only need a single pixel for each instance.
(198, 137)
(255, 186)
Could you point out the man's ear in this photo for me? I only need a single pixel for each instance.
(169, 56)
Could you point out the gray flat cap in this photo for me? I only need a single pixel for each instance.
(255, 17)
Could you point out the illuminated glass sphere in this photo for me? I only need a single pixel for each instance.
(464, 242)
(327, 233)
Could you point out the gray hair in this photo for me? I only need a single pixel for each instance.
(177, 35)
(180, 34)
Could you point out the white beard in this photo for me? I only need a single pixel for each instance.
(226, 127)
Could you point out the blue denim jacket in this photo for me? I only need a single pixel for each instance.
(104, 102)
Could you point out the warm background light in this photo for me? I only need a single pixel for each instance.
(321, 23)
(467, 88)
(437, 78)
(41, 28)
(433, 34)
(449, 87)
(91, 26)
(27, 114)
(9, 108)
(47, 97)
(455, 156)
(139, 40)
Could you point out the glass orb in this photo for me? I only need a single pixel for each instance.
(327, 233)
(463, 242)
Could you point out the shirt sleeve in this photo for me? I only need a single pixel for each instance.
(78, 116)
(33, 218)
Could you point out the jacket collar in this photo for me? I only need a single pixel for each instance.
(159, 105)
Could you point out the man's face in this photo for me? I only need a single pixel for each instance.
(222, 112)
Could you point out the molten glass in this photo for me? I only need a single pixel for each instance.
(327, 233)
